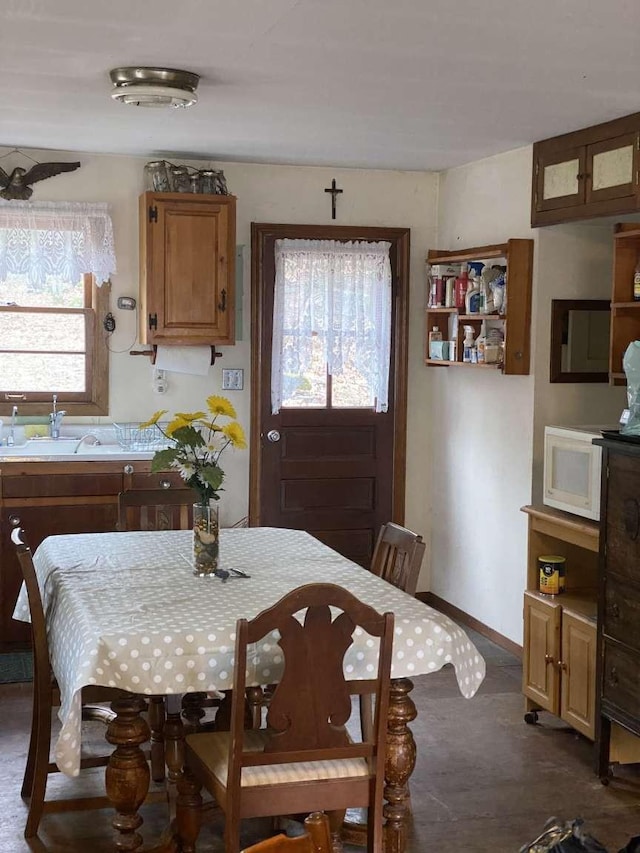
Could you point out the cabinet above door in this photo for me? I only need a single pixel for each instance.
(591, 172)
(187, 276)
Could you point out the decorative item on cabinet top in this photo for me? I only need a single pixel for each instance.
(161, 176)
(479, 302)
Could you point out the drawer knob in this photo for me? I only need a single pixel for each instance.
(165, 484)
(613, 677)
(128, 469)
(632, 518)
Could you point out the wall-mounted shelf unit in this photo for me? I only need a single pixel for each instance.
(625, 312)
(515, 323)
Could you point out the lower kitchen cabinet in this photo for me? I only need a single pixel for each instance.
(559, 668)
(59, 498)
(559, 665)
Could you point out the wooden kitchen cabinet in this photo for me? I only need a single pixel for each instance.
(559, 671)
(618, 596)
(625, 311)
(590, 172)
(187, 268)
(59, 498)
(515, 323)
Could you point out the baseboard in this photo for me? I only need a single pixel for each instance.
(463, 618)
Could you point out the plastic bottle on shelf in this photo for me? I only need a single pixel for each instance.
(472, 299)
(481, 343)
(462, 285)
(467, 345)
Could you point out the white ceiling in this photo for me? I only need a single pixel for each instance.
(408, 84)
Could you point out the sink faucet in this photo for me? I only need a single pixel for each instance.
(55, 419)
(90, 439)
(11, 437)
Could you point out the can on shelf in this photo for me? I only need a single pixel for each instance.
(552, 574)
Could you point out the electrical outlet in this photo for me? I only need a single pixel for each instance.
(159, 383)
(232, 379)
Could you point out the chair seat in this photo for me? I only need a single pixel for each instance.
(212, 750)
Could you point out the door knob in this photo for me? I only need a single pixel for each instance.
(273, 435)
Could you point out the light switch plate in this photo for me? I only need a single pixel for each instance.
(232, 379)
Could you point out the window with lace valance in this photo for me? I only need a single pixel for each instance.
(54, 259)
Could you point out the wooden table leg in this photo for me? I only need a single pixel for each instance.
(127, 774)
(399, 765)
(156, 724)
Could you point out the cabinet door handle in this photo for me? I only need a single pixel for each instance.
(165, 484)
(549, 659)
(614, 611)
(562, 665)
(613, 677)
(222, 305)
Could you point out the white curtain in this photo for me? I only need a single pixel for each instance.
(60, 240)
(341, 293)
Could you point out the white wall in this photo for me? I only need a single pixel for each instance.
(265, 194)
(486, 455)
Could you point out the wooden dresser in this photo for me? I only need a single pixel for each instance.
(618, 644)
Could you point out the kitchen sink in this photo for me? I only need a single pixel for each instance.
(68, 448)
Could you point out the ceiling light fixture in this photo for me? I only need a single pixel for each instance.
(154, 87)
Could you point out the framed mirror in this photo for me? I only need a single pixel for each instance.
(580, 330)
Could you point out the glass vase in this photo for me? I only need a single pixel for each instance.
(206, 533)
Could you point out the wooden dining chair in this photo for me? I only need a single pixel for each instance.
(303, 759)
(397, 557)
(155, 509)
(46, 696)
(316, 839)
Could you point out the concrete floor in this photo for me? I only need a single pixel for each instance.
(484, 781)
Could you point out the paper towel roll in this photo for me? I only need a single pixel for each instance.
(195, 360)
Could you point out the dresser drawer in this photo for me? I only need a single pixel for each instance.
(140, 480)
(622, 613)
(39, 485)
(623, 516)
(621, 678)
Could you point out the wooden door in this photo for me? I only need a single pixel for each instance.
(611, 168)
(578, 671)
(187, 257)
(334, 471)
(540, 671)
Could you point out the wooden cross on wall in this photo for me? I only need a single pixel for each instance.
(334, 193)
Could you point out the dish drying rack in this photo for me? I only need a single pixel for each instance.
(131, 436)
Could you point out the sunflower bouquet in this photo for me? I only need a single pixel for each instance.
(198, 441)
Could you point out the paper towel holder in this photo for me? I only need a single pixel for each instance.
(152, 353)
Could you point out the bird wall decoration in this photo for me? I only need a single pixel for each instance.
(16, 185)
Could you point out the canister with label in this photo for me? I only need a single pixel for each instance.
(552, 574)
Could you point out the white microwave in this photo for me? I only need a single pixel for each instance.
(572, 467)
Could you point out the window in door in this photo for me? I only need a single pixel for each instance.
(332, 325)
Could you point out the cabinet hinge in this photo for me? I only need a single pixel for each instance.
(153, 213)
(153, 321)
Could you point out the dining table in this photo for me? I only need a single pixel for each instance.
(125, 610)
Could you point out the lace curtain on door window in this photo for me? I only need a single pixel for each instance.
(56, 240)
(339, 294)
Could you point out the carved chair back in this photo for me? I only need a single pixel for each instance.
(155, 509)
(398, 556)
(314, 626)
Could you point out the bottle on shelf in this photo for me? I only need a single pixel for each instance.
(636, 281)
(462, 285)
(468, 345)
(472, 299)
(481, 343)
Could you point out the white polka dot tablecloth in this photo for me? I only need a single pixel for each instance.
(125, 610)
